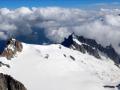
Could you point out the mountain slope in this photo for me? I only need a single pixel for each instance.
(55, 67)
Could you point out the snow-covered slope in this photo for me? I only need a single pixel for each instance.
(55, 67)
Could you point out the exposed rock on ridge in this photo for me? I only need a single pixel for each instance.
(8, 83)
(12, 47)
(90, 46)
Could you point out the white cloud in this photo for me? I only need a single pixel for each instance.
(57, 23)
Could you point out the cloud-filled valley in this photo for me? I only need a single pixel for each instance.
(52, 24)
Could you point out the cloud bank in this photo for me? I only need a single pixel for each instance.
(54, 23)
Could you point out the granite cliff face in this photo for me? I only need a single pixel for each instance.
(8, 83)
(90, 46)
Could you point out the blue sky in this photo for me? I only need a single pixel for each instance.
(60, 3)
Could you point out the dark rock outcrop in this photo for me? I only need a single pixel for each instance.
(108, 86)
(113, 87)
(72, 58)
(8, 83)
(92, 47)
(118, 86)
(70, 43)
(3, 64)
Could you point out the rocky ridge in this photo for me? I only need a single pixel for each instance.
(91, 47)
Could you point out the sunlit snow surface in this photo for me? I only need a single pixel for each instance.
(49, 67)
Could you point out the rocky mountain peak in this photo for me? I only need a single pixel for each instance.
(68, 41)
(11, 47)
(90, 46)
